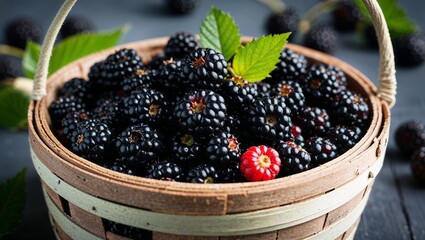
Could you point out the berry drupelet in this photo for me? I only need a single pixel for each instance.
(260, 163)
(283, 22)
(295, 158)
(297, 133)
(292, 94)
(203, 173)
(76, 25)
(350, 109)
(223, 150)
(321, 37)
(292, 66)
(322, 150)
(166, 171)
(410, 136)
(20, 30)
(185, 149)
(313, 121)
(180, 45)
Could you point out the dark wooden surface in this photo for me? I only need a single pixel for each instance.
(396, 207)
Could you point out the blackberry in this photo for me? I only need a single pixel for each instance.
(297, 133)
(204, 68)
(322, 38)
(10, 67)
(346, 15)
(232, 124)
(139, 145)
(321, 150)
(313, 121)
(145, 106)
(167, 171)
(292, 66)
(283, 22)
(185, 149)
(201, 112)
(76, 25)
(410, 136)
(64, 105)
(292, 94)
(350, 109)
(238, 93)
(70, 123)
(182, 6)
(143, 79)
(222, 149)
(127, 231)
(169, 78)
(157, 61)
(269, 119)
(409, 50)
(91, 140)
(417, 164)
(263, 89)
(109, 111)
(180, 45)
(77, 87)
(119, 167)
(20, 30)
(344, 138)
(340, 77)
(203, 173)
(295, 158)
(230, 174)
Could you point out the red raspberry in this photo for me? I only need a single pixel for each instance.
(260, 163)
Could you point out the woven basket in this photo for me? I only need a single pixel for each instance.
(323, 203)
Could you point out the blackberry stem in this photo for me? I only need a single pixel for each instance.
(315, 12)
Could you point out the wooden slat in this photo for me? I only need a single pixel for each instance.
(88, 221)
(303, 230)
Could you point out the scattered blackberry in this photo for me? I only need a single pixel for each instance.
(139, 145)
(91, 140)
(157, 61)
(204, 68)
(313, 121)
(410, 136)
(346, 15)
(145, 106)
(186, 149)
(263, 89)
(167, 171)
(283, 22)
(128, 231)
(77, 87)
(143, 79)
(201, 112)
(297, 133)
(269, 119)
(180, 45)
(230, 174)
(108, 111)
(295, 158)
(182, 6)
(64, 105)
(417, 164)
(343, 137)
(322, 150)
(350, 109)
(20, 30)
(232, 124)
(409, 50)
(76, 25)
(222, 149)
(292, 94)
(119, 167)
(10, 67)
(322, 38)
(203, 173)
(169, 79)
(238, 93)
(292, 66)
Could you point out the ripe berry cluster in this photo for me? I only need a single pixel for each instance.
(184, 116)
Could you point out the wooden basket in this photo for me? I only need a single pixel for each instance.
(323, 203)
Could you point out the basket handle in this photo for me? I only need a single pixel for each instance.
(387, 79)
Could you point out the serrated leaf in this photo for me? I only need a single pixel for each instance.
(257, 59)
(219, 32)
(71, 49)
(13, 108)
(12, 202)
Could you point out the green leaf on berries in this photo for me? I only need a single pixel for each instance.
(219, 32)
(257, 59)
(13, 108)
(12, 202)
(398, 21)
(71, 49)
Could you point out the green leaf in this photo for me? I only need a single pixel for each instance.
(12, 202)
(219, 32)
(13, 108)
(71, 49)
(255, 61)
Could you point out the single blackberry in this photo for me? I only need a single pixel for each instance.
(70, 123)
(157, 61)
(417, 164)
(145, 106)
(321, 150)
(232, 124)
(182, 6)
(295, 158)
(340, 77)
(322, 38)
(167, 171)
(283, 22)
(77, 87)
(91, 140)
(321, 85)
(143, 79)
(139, 145)
(313, 121)
(346, 15)
(292, 66)
(10, 67)
(20, 30)
(204, 68)
(238, 93)
(409, 50)
(203, 173)
(180, 45)
(127, 231)
(120, 167)
(201, 112)
(230, 174)
(292, 94)
(263, 89)
(109, 111)
(350, 109)
(76, 25)
(185, 149)
(410, 136)
(269, 120)
(343, 137)
(222, 149)
(297, 133)
(169, 79)
(64, 105)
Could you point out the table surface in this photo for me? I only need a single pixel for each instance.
(396, 207)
